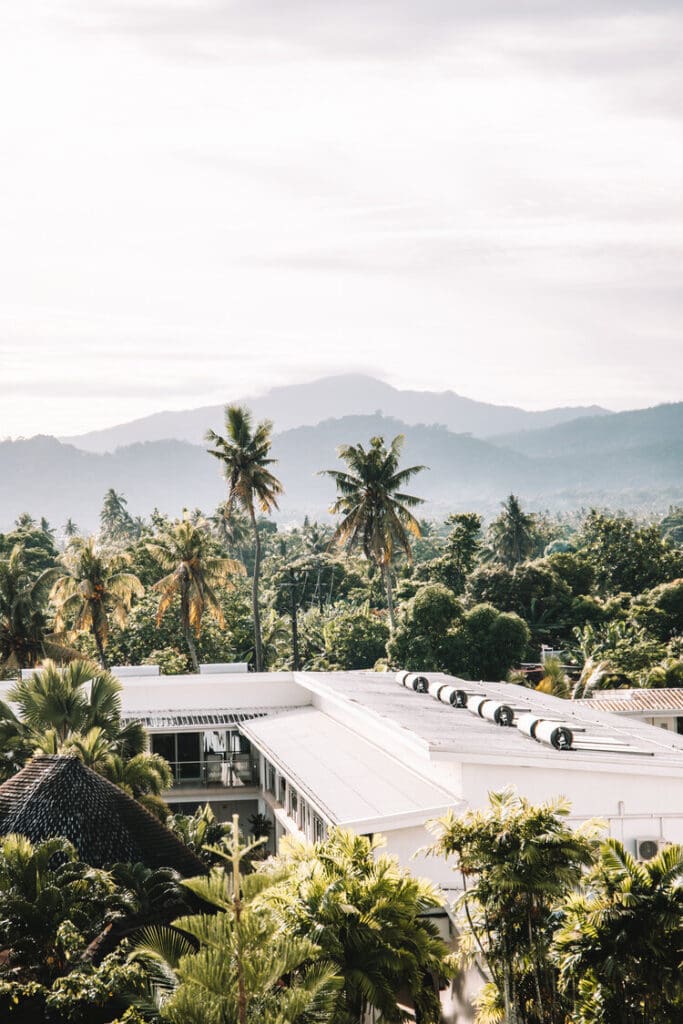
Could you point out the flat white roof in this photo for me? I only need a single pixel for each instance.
(352, 781)
(441, 731)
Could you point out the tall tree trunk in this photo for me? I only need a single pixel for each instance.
(100, 647)
(187, 628)
(295, 626)
(386, 575)
(258, 649)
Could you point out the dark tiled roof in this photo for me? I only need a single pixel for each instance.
(60, 796)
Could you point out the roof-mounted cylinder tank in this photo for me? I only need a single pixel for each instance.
(420, 684)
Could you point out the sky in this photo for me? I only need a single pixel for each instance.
(200, 199)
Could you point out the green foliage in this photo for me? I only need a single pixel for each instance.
(626, 556)
(200, 831)
(42, 887)
(367, 916)
(486, 643)
(513, 536)
(619, 946)
(421, 640)
(355, 638)
(516, 861)
(533, 591)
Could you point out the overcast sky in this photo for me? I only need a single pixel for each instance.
(203, 198)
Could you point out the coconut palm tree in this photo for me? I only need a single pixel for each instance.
(375, 510)
(513, 534)
(185, 554)
(63, 702)
(91, 587)
(244, 453)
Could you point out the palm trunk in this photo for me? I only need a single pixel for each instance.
(100, 647)
(258, 650)
(386, 576)
(187, 628)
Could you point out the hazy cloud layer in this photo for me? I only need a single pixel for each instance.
(202, 199)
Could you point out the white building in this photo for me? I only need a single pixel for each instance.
(359, 749)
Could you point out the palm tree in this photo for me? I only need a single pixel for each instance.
(244, 453)
(42, 887)
(619, 947)
(91, 587)
(375, 511)
(116, 522)
(369, 918)
(184, 553)
(24, 637)
(513, 534)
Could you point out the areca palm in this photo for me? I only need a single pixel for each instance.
(244, 453)
(192, 572)
(622, 937)
(375, 510)
(370, 919)
(91, 588)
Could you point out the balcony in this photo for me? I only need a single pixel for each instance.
(235, 771)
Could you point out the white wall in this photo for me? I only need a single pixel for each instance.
(206, 692)
(635, 804)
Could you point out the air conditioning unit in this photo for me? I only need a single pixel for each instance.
(648, 847)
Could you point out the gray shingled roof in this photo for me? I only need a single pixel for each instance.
(60, 796)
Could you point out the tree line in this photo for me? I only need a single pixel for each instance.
(379, 586)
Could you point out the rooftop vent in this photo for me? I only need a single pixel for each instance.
(220, 667)
(125, 671)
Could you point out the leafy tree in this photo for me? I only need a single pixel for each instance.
(660, 610)
(369, 918)
(421, 640)
(38, 551)
(460, 552)
(533, 591)
(192, 570)
(355, 638)
(671, 526)
(669, 673)
(486, 643)
(513, 537)
(92, 587)
(627, 648)
(375, 510)
(619, 947)
(244, 453)
(572, 569)
(628, 557)
(515, 862)
(138, 641)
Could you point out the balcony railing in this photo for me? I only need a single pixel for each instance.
(233, 772)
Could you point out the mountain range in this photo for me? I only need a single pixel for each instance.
(626, 460)
(299, 405)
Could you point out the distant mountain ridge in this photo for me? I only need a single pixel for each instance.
(46, 477)
(297, 405)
